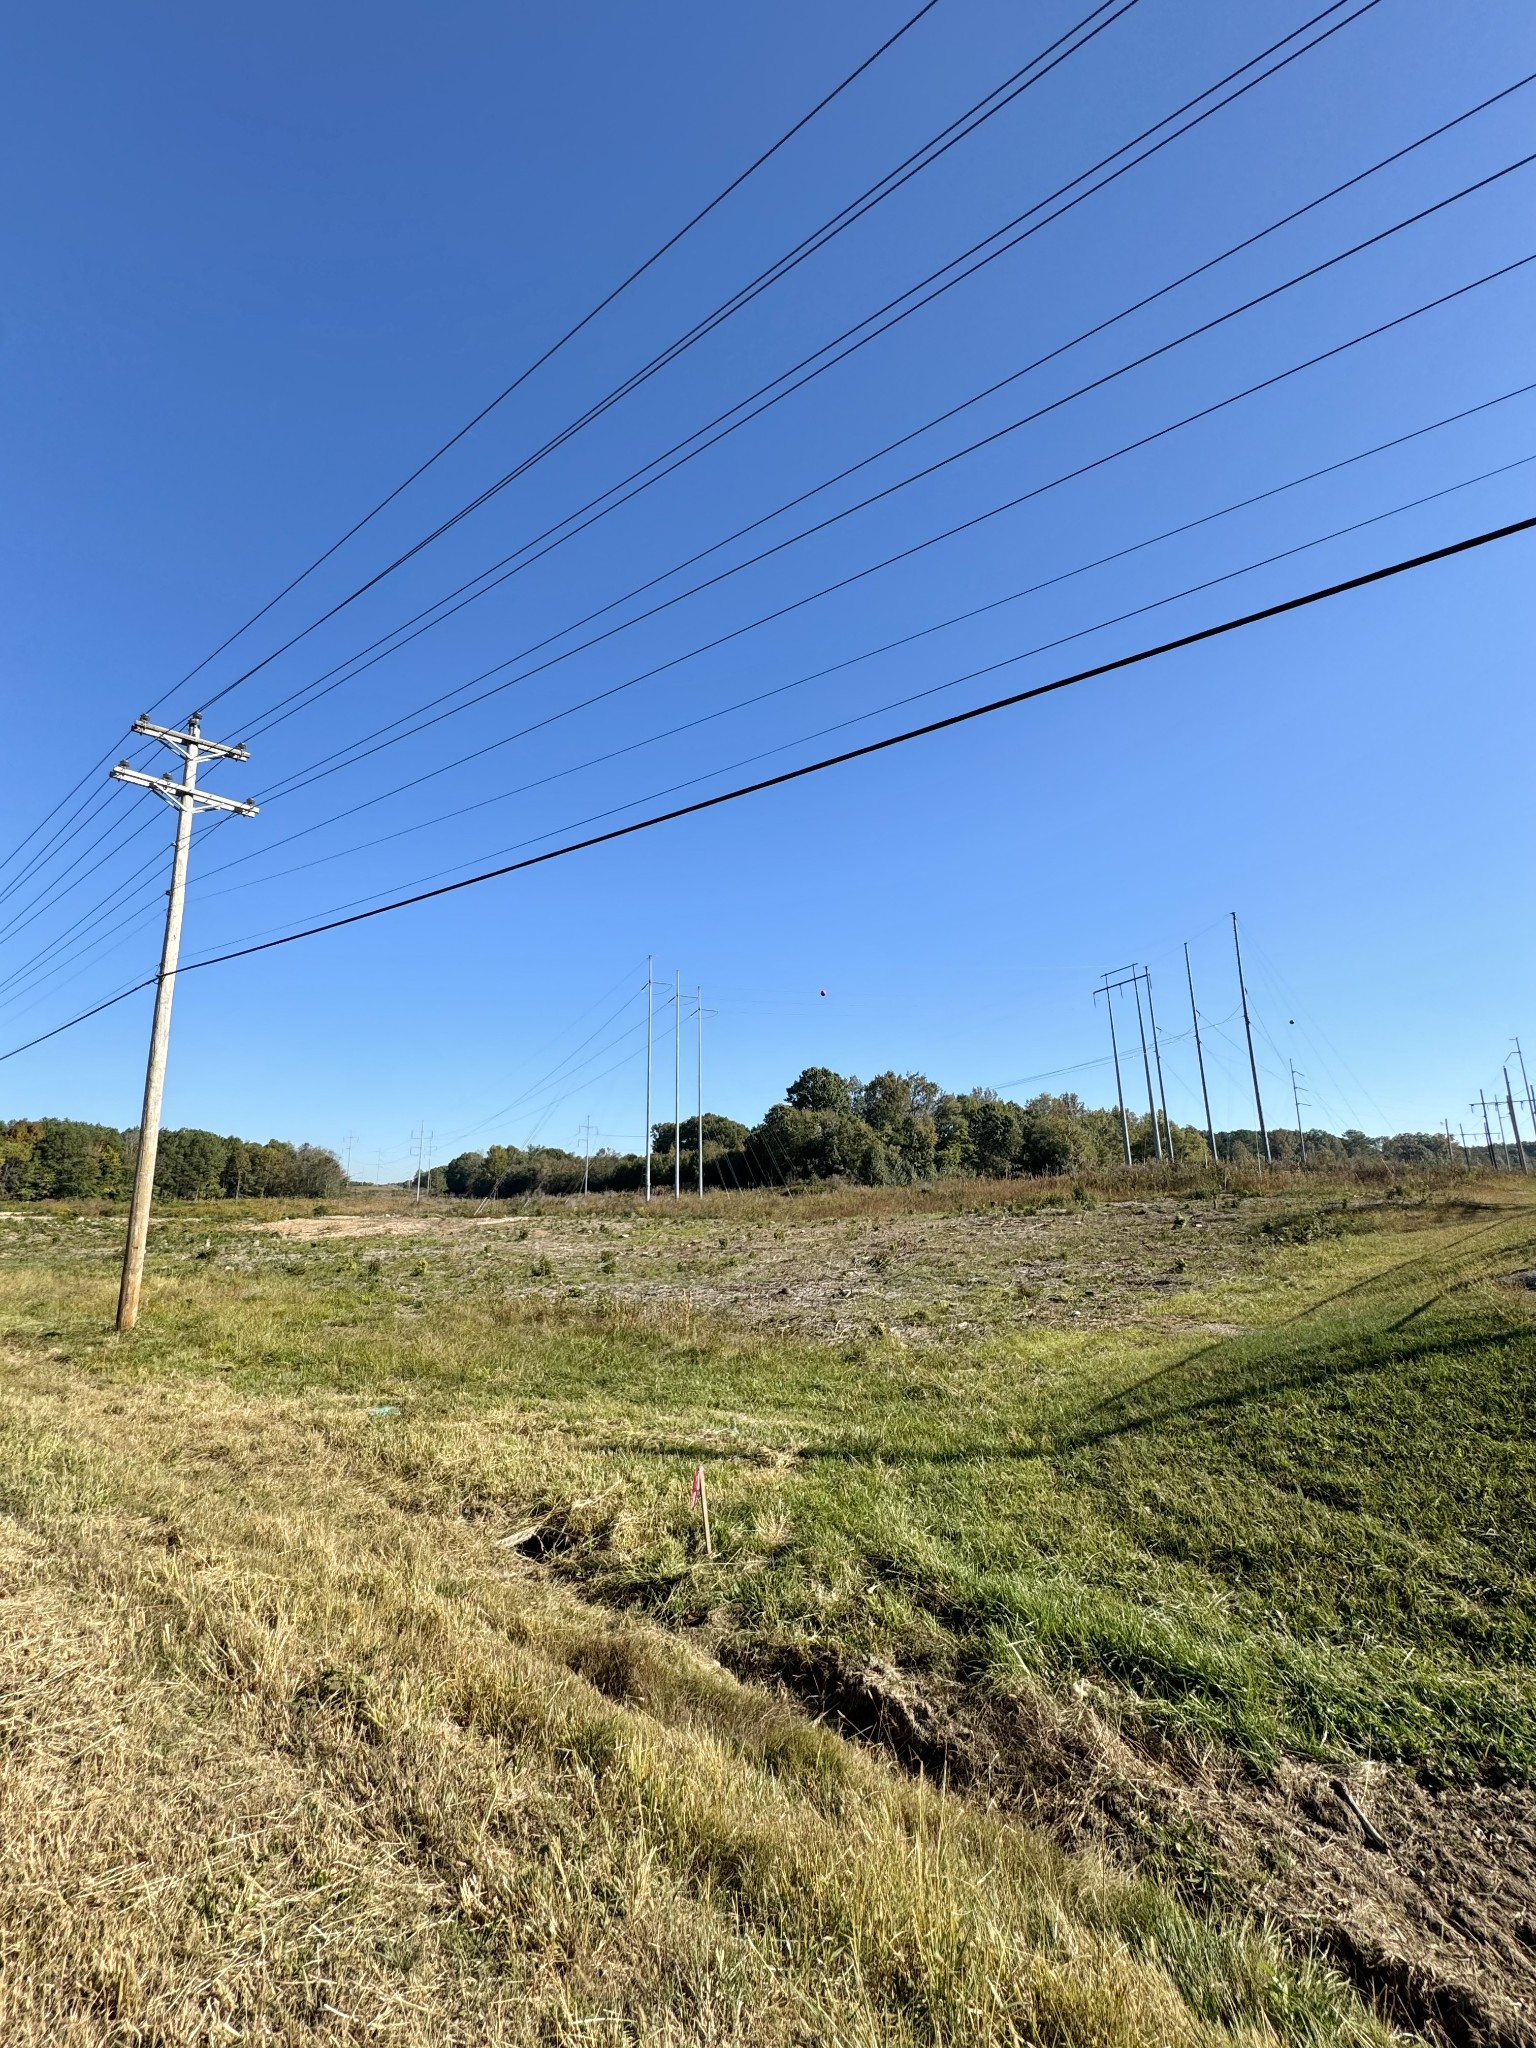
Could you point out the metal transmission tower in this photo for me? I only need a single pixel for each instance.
(185, 798)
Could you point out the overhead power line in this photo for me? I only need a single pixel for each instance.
(565, 433)
(1197, 638)
(571, 333)
(990, 104)
(391, 733)
(694, 444)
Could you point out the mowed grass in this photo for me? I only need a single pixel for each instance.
(295, 1752)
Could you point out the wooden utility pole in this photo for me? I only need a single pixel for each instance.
(1146, 1064)
(185, 798)
(1301, 1136)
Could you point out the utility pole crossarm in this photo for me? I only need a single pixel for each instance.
(211, 750)
(176, 793)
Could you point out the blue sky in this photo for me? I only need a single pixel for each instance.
(260, 265)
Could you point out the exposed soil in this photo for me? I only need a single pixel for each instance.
(1438, 1928)
(918, 1277)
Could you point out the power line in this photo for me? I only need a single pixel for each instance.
(815, 675)
(882, 189)
(387, 736)
(570, 333)
(989, 668)
(957, 718)
(552, 537)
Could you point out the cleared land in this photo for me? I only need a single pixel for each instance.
(364, 1678)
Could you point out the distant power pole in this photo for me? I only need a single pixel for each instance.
(185, 798)
(1157, 1055)
(1487, 1129)
(650, 1014)
(1253, 1065)
(1301, 1136)
(1466, 1150)
(1205, 1093)
(346, 1162)
(1514, 1124)
(586, 1154)
(1498, 1116)
(1530, 1098)
(677, 1086)
(1146, 1064)
(698, 997)
(1114, 1047)
(1450, 1143)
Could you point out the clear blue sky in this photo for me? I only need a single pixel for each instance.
(260, 264)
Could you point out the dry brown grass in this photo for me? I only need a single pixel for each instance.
(285, 1760)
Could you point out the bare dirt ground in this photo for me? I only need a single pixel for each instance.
(1437, 1925)
(920, 1277)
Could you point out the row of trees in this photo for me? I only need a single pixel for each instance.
(52, 1159)
(904, 1127)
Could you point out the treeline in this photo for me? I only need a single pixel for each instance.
(904, 1127)
(52, 1159)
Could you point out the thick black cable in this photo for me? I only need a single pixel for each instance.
(365, 748)
(987, 669)
(903, 554)
(572, 524)
(569, 335)
(815, 675)
(709, 803)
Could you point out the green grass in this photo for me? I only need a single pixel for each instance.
(1313, 1532)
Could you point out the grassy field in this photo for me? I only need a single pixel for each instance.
(365, 1678)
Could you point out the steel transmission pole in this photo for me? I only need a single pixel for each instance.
(1146, 1064)
(186, 799)
(1157, 1055)
(698, 997)
(1114, 1046)
(677, 1086)
(1301, 1136)
(1205, 1093)
(1514, 1124)
(1253, 1065)
(650, 1012)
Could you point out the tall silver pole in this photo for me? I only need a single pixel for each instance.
(1253, 1065)
(1514, 1124)
(1157, 1055)
(698, 997)
(159, 1044)
(1114, 1047)
(1205, 1093)
(650, 1011)
(677, 1085)
(1157, 1136)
